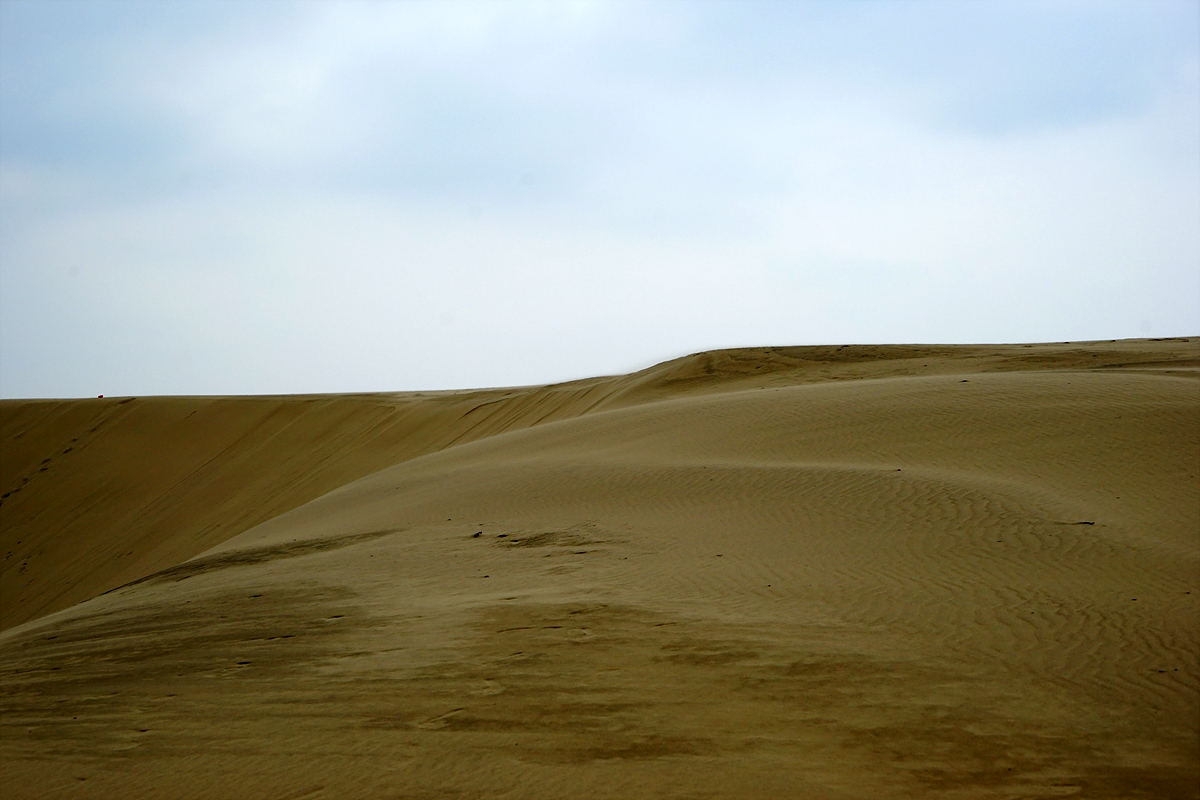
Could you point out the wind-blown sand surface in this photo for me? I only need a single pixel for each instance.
(857, 572)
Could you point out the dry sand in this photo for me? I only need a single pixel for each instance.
(857, 572)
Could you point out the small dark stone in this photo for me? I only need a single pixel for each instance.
(476, 536)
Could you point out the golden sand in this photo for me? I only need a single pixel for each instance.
(812, 572)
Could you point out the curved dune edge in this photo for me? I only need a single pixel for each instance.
(754, 584)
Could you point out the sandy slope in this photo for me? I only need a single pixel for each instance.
(803, 572)
(97, 493)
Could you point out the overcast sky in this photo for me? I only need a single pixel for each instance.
(281, 197)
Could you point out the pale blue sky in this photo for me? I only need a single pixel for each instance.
(276, 197)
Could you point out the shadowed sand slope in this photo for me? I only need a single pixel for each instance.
(800, 572)
(97, 493)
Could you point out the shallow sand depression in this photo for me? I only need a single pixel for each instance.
(809, 572)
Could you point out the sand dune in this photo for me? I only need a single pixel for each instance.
(101, 492)
(865, 572)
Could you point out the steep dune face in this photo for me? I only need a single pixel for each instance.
(98, 493)
(727, 576)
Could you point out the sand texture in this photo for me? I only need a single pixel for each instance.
(811, 572)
